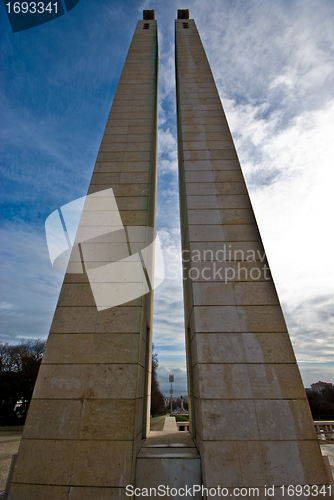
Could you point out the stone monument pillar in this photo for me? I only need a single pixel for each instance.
(90, 408)
(250, 416)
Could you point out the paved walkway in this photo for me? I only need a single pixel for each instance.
(157, 423)
(328, 449)
(10, 438)
(168, 443)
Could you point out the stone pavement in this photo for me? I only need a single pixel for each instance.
(328, 449)
(10, 438)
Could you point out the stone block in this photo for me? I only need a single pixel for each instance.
(231, 188)
(215, 319)
(114, 138)
(89, 320)
(115, 156)
(192, 128)
(108, 167)
(227, 420)
(268, 348)
(53, 419)
(251, 251)
(68, 348)
(137, 146)
(134, 178)
(218, 135)
(74, 320)
(273, 381)
(200, 176)
(76, 294)
(93, 348)
(256, 293)
(234, 201)
(293, 462)
(195, 145)
(251, 464)
(118, 319)
(202, 202)
(109, 147)
(194, 136)
(220, 144)
(201, 189)
(211, 294)
(261, 319)
(38, 492)
(102, 463)
(230, 232)
(136, 156)
(241, 232)
(131, 218)
(221, 463)
(196, 155)
(242, 348)
(90, 381)
(237, 216)
(177, 473)
(114, 130)
(44, 462)
(218, 126)
(205, 217)
(133, 190)
(208, 348)
(133, 203)
(221, 381)
(207, 233)
(197, 165)
(85, 233)
(143, 129)
(284, 420)
(102, 253)
(104, 420)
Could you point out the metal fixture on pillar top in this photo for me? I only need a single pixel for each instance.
(183, 14)
(148, 15)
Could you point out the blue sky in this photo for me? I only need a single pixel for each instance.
(274, 67)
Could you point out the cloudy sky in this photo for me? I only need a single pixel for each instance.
(273, 62)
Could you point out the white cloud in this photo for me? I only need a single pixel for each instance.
(273, 64)
(30, 283)
(7, 308)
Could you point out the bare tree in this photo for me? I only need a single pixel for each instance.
(19, 365)
(157, 399)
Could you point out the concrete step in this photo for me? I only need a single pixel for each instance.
(168, 459)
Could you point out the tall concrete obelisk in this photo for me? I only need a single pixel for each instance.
(90, 410)
(250, 416)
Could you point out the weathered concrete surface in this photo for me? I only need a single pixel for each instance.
(249, 414)
(90, 408)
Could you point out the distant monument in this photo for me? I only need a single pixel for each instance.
(87, 431)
